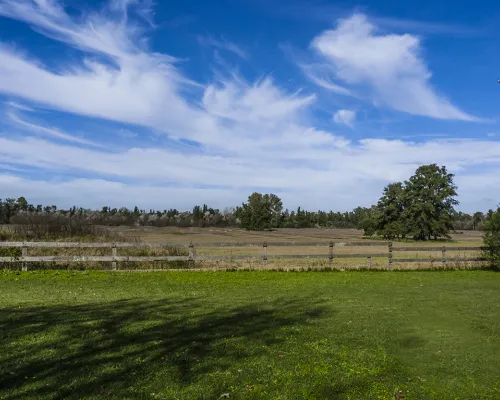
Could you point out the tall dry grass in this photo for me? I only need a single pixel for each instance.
(46, 227)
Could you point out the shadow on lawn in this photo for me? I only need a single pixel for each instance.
(111, 349)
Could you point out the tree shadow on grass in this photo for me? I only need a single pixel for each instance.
(104, 350)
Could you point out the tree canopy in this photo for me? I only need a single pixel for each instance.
(422, 207)
(262, 211)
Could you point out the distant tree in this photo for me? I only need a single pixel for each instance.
(7, 210)
(389, 215)
(429, 203)
(477, 219)
(370, 220)
(197, 216)
(463, 221)
(260, 212)
(422, 207)
(491, 238)
(22, 204)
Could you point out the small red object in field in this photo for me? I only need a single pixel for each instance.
(249, 387)
(399, 396)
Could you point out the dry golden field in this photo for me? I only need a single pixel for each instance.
(427, 259)
(205, 242)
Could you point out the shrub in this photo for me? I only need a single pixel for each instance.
(491, 238)
(4, 235)
(41, 226)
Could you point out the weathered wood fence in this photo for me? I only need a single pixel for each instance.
(114, 258)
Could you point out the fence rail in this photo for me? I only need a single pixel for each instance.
(331, 255)
(183, 244)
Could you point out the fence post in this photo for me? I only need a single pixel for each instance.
(390, 256)
(330, 257)
(24, 253)
(369, 262)
(265, 252)
(191, 251)
(113, 254)
(443, 251)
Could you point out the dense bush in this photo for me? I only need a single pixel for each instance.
(41, 226)
(491, 228)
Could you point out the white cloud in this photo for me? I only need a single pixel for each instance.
(346, 117)
(248, 135)
(321, 75)
(223, 44)
(19, 106)
(387, 67)
(54, 132)
(359, 170)
(261, 101)
(113, 37)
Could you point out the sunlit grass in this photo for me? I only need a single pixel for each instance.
(249, 335)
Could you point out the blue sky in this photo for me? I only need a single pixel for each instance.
(172, 104)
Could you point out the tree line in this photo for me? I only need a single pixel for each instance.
(421, 208)
(20, 211)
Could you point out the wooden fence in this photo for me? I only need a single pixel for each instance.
(330, 254)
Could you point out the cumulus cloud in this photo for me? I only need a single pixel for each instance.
(345, 117)
(360, 169)
(388, 68)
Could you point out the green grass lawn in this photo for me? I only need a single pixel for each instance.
(250, 335)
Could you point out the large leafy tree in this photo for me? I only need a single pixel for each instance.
(429, 203)
(260, 212)
(421, 207)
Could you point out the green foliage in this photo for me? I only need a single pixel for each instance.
(4, 235)
(261, 212)
(491, 238)
(429, 202)
(422, 207)
(389, 218)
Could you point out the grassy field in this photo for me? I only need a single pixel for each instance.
(250, 335)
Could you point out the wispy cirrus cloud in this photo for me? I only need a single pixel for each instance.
(222, 44)
(326, 12)
(48, 131)
(324, 75)
(248, 134)
(18, 106)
